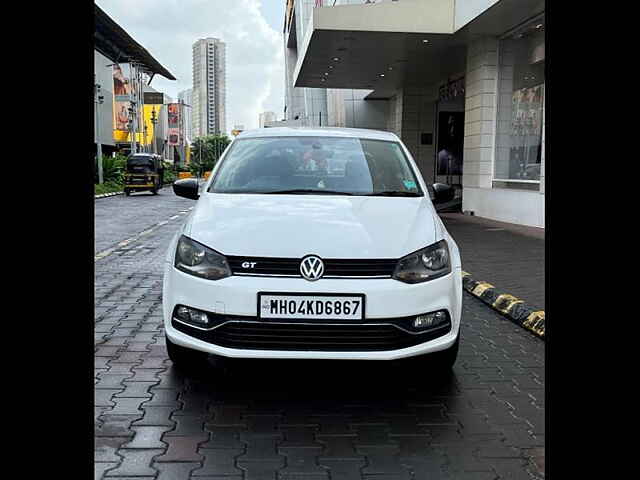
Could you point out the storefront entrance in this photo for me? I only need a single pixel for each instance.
(450, 134)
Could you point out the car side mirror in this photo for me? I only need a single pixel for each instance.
(187, 188)
(443, 193)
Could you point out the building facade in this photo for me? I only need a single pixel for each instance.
(266, 117)
(123, 70)
(461, 83)
(186, 97)
(103, 74)
(209, 88)
(321, 106)
(155, 107)
(154, 135)
(303, 106)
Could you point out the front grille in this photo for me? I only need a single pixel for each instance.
(336, 267)
(365, 337)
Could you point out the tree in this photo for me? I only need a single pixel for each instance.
(205, 152)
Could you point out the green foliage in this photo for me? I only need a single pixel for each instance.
(112, 169)
(205, 152)
(195, 168)
(107, 187)
(170, 175)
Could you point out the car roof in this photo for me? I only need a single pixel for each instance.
(319, 132)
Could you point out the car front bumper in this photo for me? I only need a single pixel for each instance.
(385, 299)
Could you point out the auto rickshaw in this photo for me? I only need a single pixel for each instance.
(144, 171)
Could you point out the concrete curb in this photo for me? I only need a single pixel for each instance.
(120, 193)
(508, 305)
(108, 194)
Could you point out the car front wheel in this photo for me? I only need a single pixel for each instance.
(185, 357)
(445, 359)
(441, 362)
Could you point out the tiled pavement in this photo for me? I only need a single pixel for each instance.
(510, 257)
(304, 420)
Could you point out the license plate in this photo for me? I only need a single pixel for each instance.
(311, 307)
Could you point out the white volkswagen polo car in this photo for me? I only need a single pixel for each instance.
(312, 244)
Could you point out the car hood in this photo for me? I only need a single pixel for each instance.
(298, 225)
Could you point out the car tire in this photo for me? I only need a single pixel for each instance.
(445, 359)
(438, 363)
(185, 358)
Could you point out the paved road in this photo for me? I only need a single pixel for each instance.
(508, 256)
(118, 218)
(300, 420)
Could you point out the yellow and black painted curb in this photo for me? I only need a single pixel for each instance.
(508, 305)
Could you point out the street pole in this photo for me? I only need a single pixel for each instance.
(132, 128)
(139, 116)
(143, 129)
(132, 132)
(154, 120)
(135, 135)
(135, 108)
(184, 126)
(98, 101)
(143, 123)
(183, 158)
(132, 112)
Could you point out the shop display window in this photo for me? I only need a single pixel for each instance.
(520, 119)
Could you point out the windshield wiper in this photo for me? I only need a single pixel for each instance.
(308, 190)
(394, 193)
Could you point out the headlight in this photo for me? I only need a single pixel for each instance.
(198, 260)
(426, 264)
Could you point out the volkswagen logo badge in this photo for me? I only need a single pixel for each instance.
(311, 268)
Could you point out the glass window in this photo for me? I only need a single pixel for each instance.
(348, 166)
(140, 164)
(520, 106)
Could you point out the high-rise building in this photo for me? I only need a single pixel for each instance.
(186, 97)
(266, 117)
(209, 87)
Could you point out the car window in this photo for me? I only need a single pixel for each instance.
(315, 164)
(143, 164)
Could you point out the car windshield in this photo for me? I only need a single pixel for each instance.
(140, 165)
(316, 165)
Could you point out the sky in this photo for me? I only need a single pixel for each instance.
(252, 30)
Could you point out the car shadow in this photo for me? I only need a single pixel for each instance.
(326, 382)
